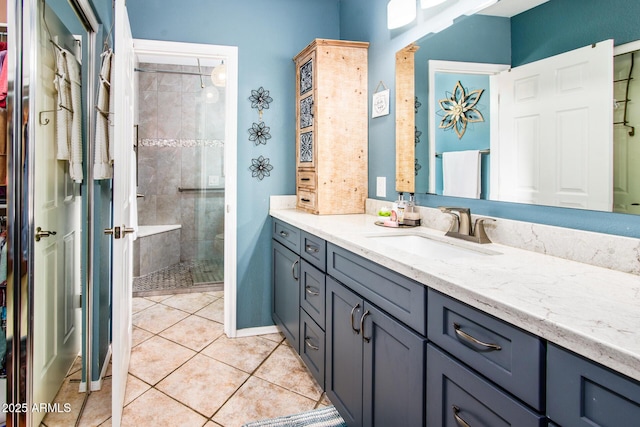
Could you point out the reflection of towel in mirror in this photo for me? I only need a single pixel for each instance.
(69, 114)
(461, 174)
(103, 159)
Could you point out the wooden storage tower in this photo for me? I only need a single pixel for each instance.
(332, 127)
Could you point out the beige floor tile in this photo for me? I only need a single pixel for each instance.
(68, 393)
(98, 407)
(217, 294)
(212, 424)
(245, 353)
(286, 369)
(158, 318)
(159, 298)
(135, 388)
(154, 408)
(76, 366)
(203, 384)
(214, 311)
(278, 337)
(139, 335)
(194, 332)
(156, 358)
(258, 399)
(191, 302)
(139, 304)
(324, 400)
(107, 423)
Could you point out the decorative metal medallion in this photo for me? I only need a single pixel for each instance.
(459, 109)
(418, 134)
(260, 168)
(306, 77)
(417, 167)
(417, 105)
(259, 133)
(260, 100)
(306, 112)
(306, 147)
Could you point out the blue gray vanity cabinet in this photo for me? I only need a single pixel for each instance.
(506, 355)
(286, 293)
(375, 365)
(458, 396)
(583, 393)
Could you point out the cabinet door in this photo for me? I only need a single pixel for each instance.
(344, 352)
(286, 293)
(394, 372)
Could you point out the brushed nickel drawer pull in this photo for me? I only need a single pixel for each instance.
(312, 291)
(459, 420)
(473, 340)
(293, 270)
(366, 313)
(284, 234)
(312, 249)
(353, 310)
(311, 346)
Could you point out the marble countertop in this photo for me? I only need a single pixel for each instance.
(590, 310)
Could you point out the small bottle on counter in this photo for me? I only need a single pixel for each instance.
(411, 214)
(398, 209)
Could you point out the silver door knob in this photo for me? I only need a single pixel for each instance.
(40, 233)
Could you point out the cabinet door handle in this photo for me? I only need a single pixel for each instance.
(312, 249)
(314, 292)
(311, 346)
(353, 310)
(473, 340)
(365, 338)
(459, 420)
(284, 234)
(305, 200)
(305, 179)
(293, 270)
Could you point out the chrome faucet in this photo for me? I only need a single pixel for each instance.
(461, 225)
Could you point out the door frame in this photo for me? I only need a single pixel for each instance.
(150, 49)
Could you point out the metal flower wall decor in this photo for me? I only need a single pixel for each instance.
(460, 109)
(260, 167)
(259, 133)
(260, 100)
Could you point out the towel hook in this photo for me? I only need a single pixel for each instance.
(45, 121)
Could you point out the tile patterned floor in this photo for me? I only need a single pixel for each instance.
(189, 276)
(183, 364)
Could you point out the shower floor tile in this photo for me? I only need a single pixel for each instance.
(184, 277)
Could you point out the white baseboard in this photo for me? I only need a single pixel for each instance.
(262, 330)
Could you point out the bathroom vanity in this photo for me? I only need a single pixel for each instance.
(407, 327)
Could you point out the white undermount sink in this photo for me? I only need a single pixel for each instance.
(433, 246)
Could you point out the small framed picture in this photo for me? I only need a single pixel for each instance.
(380, 104)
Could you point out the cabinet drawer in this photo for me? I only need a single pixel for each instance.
(583, 393)
(312, 346)
(287, 235)
(396, 294)
(510, 357)
(307, 179)
(457, 395)
(307, 200)
(312, 292)
(313, 249)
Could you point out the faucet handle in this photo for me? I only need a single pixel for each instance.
(455, 223)
(478, 230)
(449, 209)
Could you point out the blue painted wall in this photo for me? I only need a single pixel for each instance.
(268, 35)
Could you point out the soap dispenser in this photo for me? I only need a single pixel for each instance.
(398, 209)
(411, 213)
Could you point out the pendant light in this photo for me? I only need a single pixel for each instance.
(219, 75)
(400, 13)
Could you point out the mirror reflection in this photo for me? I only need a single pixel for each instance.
(569, 161)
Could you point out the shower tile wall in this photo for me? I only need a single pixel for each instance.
(180, 144)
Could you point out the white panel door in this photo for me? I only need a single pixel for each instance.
(123, 205)
(556, 131)
(56, 289)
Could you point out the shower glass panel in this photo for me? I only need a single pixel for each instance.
(181, 182)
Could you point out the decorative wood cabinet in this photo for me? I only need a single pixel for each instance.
(332, 127)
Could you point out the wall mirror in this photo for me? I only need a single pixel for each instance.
(532, 31)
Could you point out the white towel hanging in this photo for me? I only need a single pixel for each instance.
(103, 161)
(461, 174)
